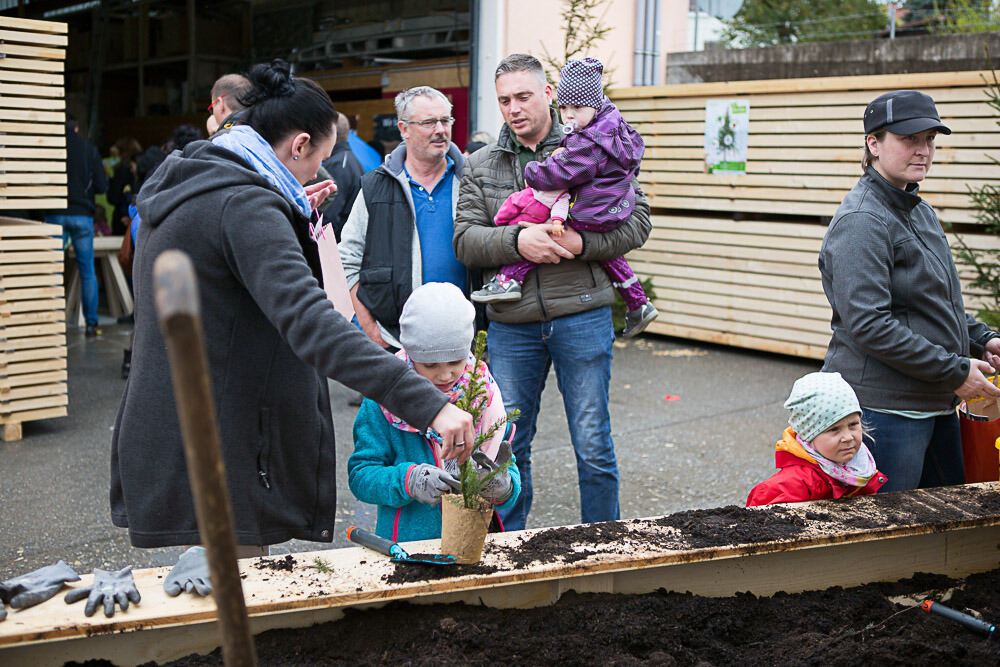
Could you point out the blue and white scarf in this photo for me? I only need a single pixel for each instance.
(245, 142)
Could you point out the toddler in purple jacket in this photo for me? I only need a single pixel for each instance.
(592, 173)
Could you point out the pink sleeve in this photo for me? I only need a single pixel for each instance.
(560, 210)
(494, 412)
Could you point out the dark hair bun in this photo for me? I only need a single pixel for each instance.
(269, 81)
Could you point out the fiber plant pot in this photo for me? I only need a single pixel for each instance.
(463, 531)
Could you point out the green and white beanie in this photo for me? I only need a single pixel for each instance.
(818, 401)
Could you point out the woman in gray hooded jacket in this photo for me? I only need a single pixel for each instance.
(237, 206)
(901, 336)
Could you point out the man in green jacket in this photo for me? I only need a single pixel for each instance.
(564, 315)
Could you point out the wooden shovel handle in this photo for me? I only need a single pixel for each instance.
(177, 308)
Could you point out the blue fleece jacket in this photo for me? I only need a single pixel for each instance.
(376, 473)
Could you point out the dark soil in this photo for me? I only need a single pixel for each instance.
(831, 627)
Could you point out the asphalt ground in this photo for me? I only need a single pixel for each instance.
(704, 449)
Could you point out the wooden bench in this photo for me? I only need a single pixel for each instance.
(115, 283)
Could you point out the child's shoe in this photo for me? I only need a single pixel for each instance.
(637, 320)
(497, 290)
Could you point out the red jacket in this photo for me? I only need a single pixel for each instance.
(800, 478)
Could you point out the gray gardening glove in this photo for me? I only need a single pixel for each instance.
(499, 487)
(3, 612)
(108, 588)
(189, 574)
(427, 482)
(36, 587)
(450, 466)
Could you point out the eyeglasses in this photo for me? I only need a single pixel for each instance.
(431, 123)
(215, 101)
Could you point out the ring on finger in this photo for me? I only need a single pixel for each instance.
(460, 444)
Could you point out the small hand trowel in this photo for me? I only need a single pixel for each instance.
(393, 550)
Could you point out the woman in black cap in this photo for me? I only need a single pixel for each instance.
(901, 336)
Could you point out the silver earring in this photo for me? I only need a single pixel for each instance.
(295, 157)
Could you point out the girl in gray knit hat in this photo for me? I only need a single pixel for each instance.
(821, 454)
(592, 171)
(399, 468)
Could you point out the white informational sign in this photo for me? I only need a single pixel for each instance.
(727, 125)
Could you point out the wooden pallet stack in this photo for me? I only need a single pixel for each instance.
(733, 257)
(32, 176)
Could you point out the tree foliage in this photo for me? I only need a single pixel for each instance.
(985, 264)
(584, 24)
(769, 22)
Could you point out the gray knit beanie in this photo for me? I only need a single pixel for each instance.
(580, 83)
(818, 401)
(437, 324)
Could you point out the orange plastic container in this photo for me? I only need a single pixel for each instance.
(979, 439)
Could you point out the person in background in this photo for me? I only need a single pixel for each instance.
(399, 233)
(564, 319)
(121, 188)
(85, 177)
(901, 335)
(821, 454)
(147, 164)
(369, 157)
(227, 93)
(472, 147)
(346, 172)
(593, 169)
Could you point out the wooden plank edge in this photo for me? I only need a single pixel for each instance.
(953, 553)
(808, 84)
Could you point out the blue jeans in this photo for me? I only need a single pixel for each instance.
(80, 228)
(916, 453)
(580, 346)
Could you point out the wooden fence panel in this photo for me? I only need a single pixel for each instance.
(32, 104)
(754, 282)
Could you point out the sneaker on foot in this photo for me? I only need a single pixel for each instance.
(93, 331)
(637, 320)
(497, 290)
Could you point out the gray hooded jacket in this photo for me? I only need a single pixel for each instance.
(268, 329)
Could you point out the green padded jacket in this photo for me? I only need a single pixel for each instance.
(492, 174)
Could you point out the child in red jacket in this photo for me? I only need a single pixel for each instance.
(821, 454)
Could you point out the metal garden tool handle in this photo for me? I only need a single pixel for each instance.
(968, 621)
(375, 543)
(177, 307)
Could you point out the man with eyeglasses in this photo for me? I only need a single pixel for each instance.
(563, 318)
(398, 235)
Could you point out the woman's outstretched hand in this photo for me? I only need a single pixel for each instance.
(318, 192)
(458, 435)
(976, 384)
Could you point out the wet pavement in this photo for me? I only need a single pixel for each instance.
(704, 450)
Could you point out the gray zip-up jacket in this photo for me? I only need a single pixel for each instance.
(572, 286)
(901, 336)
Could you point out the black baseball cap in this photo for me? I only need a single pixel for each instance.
(903, 112)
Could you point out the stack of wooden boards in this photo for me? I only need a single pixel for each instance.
(32, 176)
(32, 325)
(32, 114)
(733, 257)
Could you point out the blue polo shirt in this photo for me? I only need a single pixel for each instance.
(436, 227)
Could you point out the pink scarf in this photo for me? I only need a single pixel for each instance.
(855, 472)
(456, 392)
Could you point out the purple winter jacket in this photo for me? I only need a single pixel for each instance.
(597, 168)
